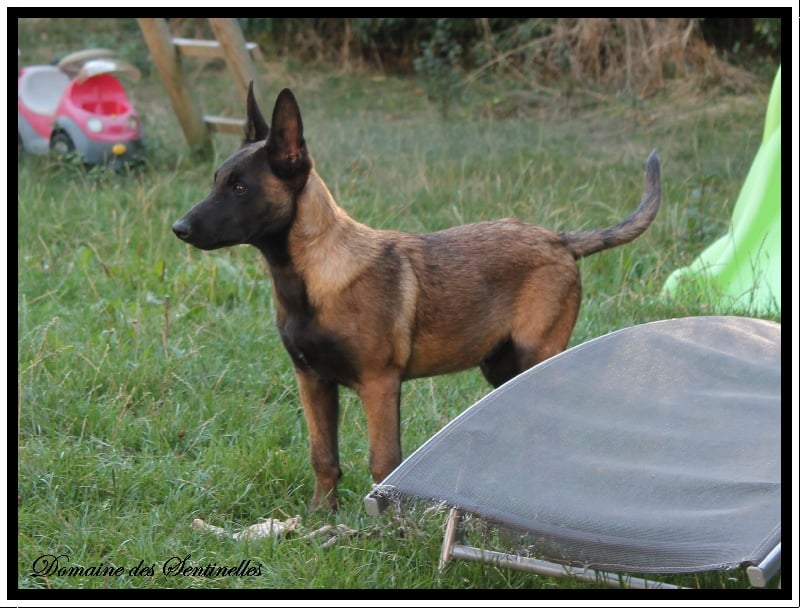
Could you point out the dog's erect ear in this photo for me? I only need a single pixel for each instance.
(255, 127)
(286, 148)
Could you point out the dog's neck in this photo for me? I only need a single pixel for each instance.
(327, 249)
(317, 214)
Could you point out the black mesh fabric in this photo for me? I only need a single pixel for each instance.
(651, 449)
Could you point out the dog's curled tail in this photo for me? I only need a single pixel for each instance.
(586, 242)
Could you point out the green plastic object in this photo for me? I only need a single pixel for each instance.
(741, 272)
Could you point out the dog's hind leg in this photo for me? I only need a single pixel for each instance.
(321, 407)
(540, 329)
(381, 398)
(501, 365)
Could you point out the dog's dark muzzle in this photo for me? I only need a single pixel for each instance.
(182, 229)
(197, 233)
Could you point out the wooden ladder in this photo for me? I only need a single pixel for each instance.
(167, 52)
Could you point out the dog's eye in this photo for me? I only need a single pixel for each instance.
(239, 188)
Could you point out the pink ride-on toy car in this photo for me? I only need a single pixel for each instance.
(79, 106)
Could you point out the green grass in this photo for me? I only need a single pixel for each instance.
(153, 388)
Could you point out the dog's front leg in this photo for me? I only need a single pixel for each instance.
(320, 400)
(381, 398)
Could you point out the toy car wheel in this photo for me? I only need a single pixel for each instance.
(61, 143)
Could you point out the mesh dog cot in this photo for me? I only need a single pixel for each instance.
(653, 449)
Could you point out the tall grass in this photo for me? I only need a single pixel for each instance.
(152, 386)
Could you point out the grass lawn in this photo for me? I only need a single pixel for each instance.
(152, 385)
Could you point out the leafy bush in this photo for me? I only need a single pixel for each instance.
(634, 56)
(439, 64)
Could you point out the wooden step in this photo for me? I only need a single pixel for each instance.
(191, 47)
(223, 124)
